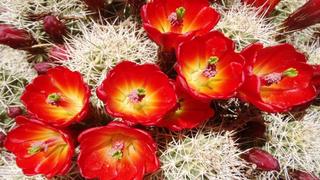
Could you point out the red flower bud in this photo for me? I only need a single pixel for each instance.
(300, 175)
(13, 112)
(305, 16)
(58, 53)
(54, 27)
(262, 159)
(95, 4)
(42, 67)
(15, 38)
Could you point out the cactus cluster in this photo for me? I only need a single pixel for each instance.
(294, 143)
(201, 154)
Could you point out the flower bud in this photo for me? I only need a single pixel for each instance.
(262, 159)
(54, 27)
(15, 38)
(58, 53)
(13, 112)
(42, 67)
(300, 175)
(305, 16)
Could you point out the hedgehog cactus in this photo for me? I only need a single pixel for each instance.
(204, 155)
(294, 143)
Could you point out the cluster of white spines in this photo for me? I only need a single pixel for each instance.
(204, 155)
(244, 25)
(101, 47)
(294, 143)
(15, 73)
(18, 12)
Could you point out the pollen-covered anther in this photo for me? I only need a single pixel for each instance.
(274, 78)
(176, 18)
(137, 95)
(211, 69)
(117, 150)
(53, 98)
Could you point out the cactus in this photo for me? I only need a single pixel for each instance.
(201, 154)
(295, 143)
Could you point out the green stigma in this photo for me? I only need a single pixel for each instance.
(34, 150)
(213, 60)
(53, 98)
(141, 91)
(181, 11)
(291, 72)
(118, 155)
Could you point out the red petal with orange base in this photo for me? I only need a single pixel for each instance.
(206, 81)
(120, 93)
(71, 105)
(117, 152)
(199, 18)
(40, 149)
(188, 113)
(286, 92)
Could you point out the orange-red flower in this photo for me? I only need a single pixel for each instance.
(188, 112)
(137, 93)
(40, 149)
(116, 152)
(169, 22)
(209, 68)
(265, 6)
(277, 78)
(305, 16)
(59, 97)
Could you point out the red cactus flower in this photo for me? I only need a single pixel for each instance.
(209, 68)
(277, 78)
(15, 38)
(117, 152)
(137, 93)
(188, 112)
(305, 16)
(40, 149)
(54, 27)
(265, 6)
(59, 97)
(262, 159)
(169, 22)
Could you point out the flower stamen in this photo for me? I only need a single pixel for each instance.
(116, 150)
(211, 69)
(137, 95)
(176, 18)
(275, 78)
